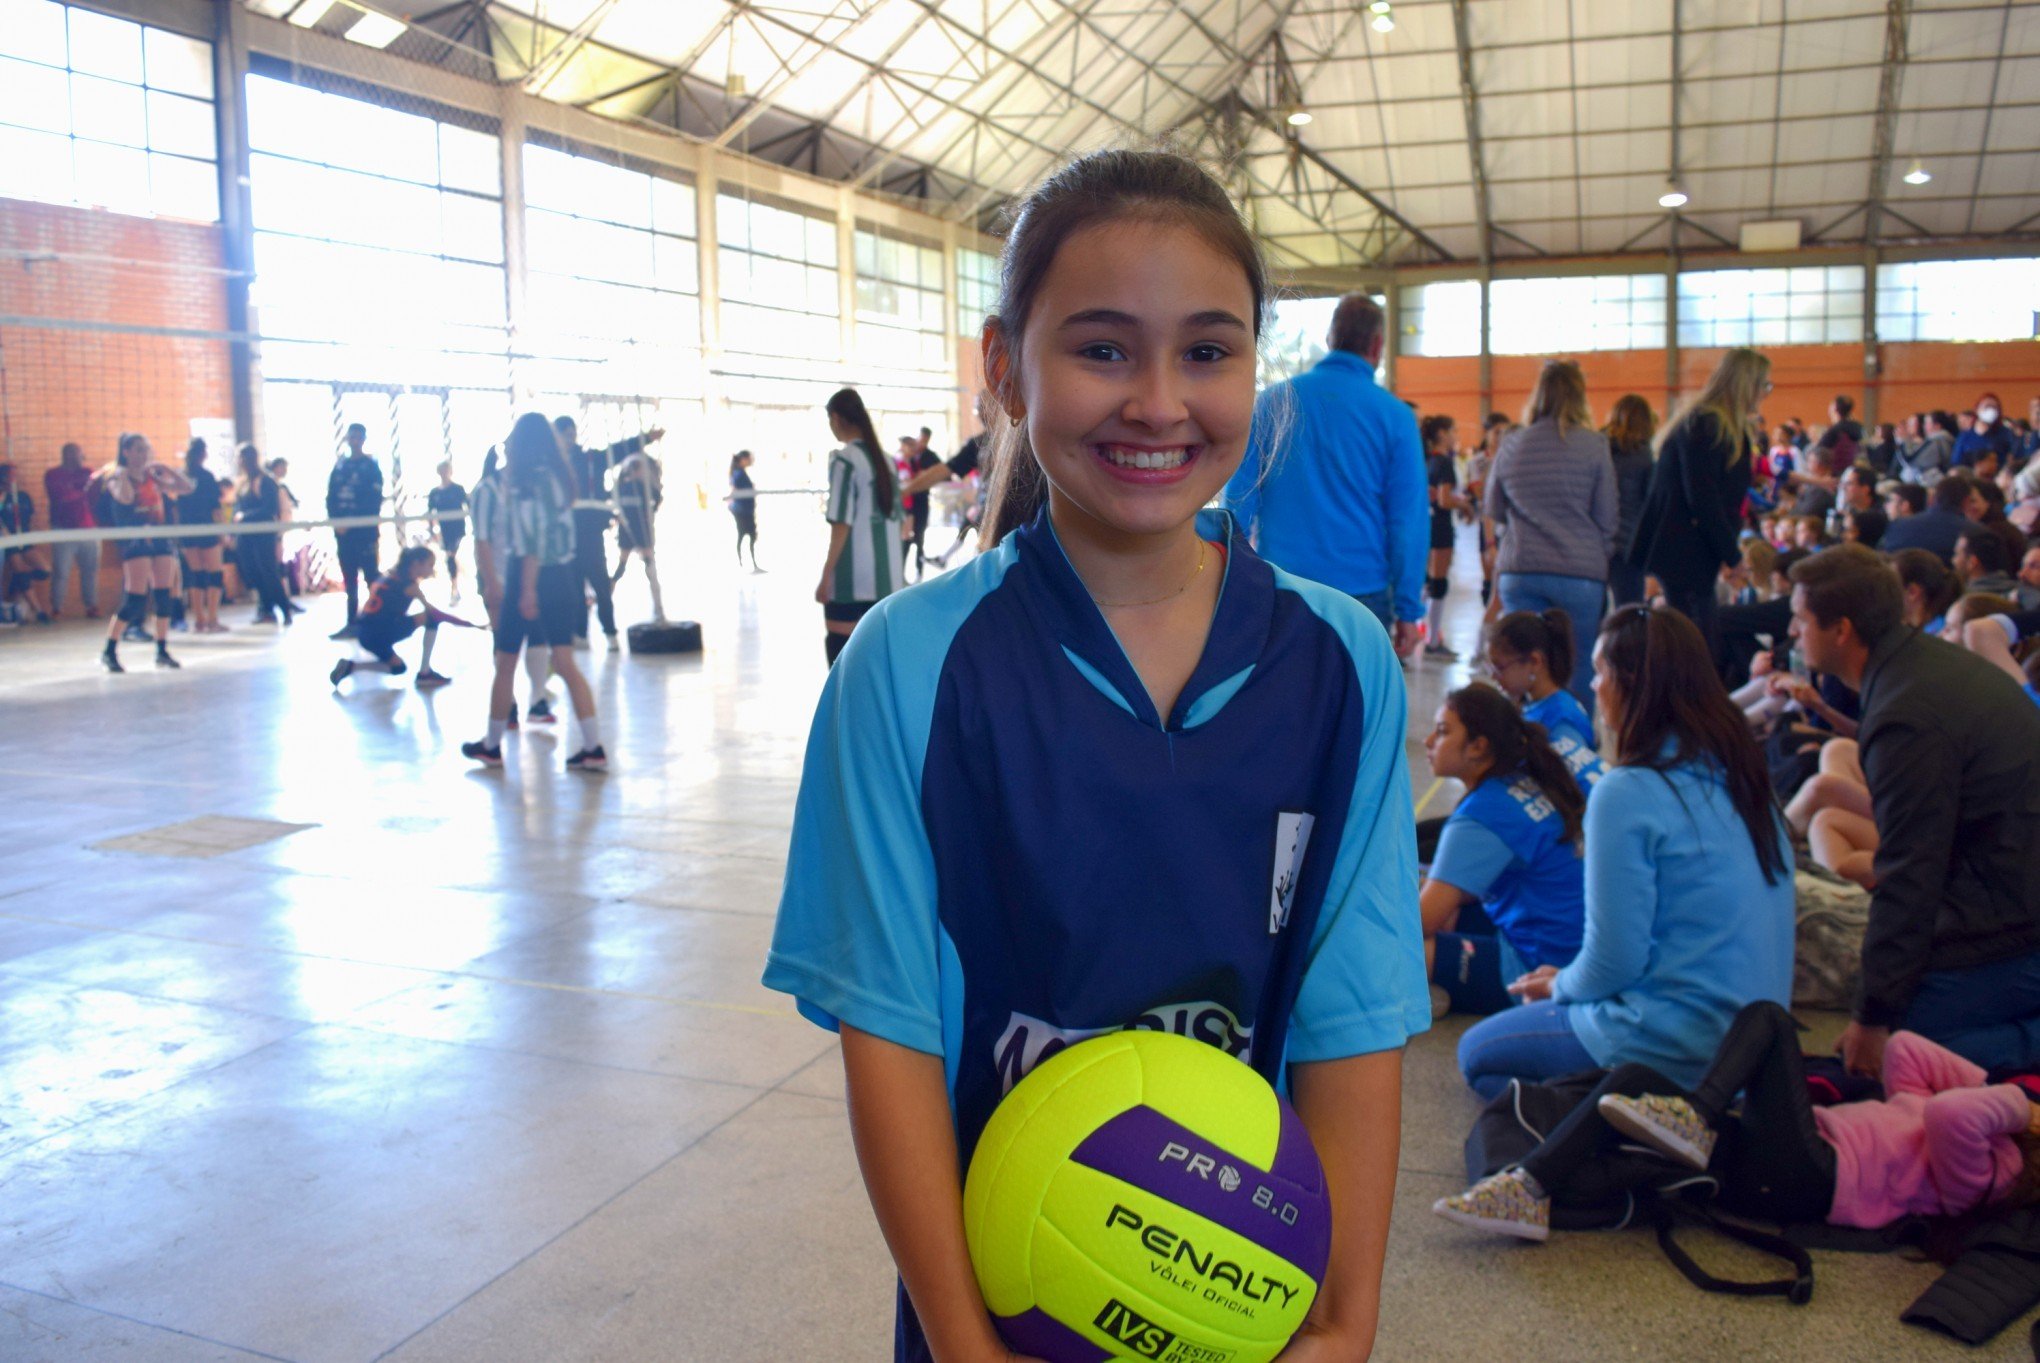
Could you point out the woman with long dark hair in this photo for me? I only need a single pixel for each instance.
(139, 493)
(1689, 880)
(1630, 426)
(865, 560)
(743, 504)
(258, 499)
(1509, 853)
(203, 557)
(541, 605)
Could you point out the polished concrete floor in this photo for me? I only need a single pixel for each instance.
(318, 1045)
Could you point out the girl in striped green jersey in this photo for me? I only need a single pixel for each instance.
(864, 562)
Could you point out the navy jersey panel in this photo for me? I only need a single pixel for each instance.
(1133, 877)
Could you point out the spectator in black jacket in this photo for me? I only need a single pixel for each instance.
(1940, 525)
(1630, 426)
(1693, 510)
(355, 488)
(591, 474)
(1950, 746)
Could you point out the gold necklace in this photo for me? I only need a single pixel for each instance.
(1203, 547)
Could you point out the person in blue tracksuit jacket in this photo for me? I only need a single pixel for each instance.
(1505, 892)
(1116, 772)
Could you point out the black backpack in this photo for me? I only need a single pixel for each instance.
(1630, 1185)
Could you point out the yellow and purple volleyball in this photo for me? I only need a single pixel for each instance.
(1145, 1196)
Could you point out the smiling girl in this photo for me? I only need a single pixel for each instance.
(1115, 772)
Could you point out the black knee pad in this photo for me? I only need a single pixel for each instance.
(1436, 587)
(134, 608)
(164, 600)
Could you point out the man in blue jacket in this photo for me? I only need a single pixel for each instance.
(1332, 487)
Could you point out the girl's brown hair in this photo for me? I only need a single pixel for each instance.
(1105, 186)
(1548, 632)
(1520, 746)
(1675, 711)
(847, 406)
(1631, 424)
(1561, 393)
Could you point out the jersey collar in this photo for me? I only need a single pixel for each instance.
(1239, 626)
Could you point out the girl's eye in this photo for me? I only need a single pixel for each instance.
(1208, 353)
(1103, 351)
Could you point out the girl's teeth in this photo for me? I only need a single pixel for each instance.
(1148, 459)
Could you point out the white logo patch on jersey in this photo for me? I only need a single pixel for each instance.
(1292, 840)
(1027, 1041)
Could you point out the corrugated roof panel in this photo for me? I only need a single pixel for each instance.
(1625, 107)
(1856, 41)
(1637, 154)
(1447, 204)
(885, 23)
(662, 30)
(822, 84)
(1849, 138)
(1829, 95)
(1544, 113)
(1533, 199)
(1954, 35)
(1430, 165)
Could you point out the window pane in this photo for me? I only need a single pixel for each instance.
(33, 29)
(184, 189)
(112, 177)
(35, 165)
(470, 160)
(106, 46)
(471, 227)
(674, 264)
(175, 62)
(732, 225)
(182, 125)
(673, 207)
(107, 111)
(821, 242)
(35, 96)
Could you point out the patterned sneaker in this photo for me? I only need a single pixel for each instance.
(1501, 1203)
(540, 712)
(480, 751)
(1667, 1125)
(589, 759)
(342, 670)
(428, 678)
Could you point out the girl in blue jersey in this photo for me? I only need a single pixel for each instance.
(1117, 771)
(1509, 853)
(1530, 656)
(386, 620)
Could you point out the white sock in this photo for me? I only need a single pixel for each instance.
(425, 656)
(496, 728)
(591, 731)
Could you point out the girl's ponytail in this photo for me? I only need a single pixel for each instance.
(1520, 745)
(1548, 632)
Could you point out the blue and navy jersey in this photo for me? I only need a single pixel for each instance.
(1572, 734)
(1505, 845)
(1000, 847)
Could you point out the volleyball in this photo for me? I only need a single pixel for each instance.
(1150, 1197)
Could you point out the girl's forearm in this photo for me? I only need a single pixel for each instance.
(906, 1148)
(1353, 1111)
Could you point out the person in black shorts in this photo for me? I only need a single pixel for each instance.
(355, 488)
(387, 620)
(1441, 448)
(136, 492)
(448, 497)
(743, 504)
(204, 560)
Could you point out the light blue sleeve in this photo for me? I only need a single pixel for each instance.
(1364, 988)
(857, 939)
(1409, 513)
(1621, 886)
(1243, 489)
(1470, 857)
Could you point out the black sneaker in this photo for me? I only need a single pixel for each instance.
(429, 678)
(483, 753)
(342, 670)
(163, 658)
(510, 724)
(344, 632)
(540, 712)
(589, 759)
(111, 659)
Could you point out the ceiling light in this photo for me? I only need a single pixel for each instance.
(1384, 22)
(1379, 7)
(375, 30)
(1299, 116)
(310, 12)
(1918, 175)
(1673, 197)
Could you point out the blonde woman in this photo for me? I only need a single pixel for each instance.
(1552, 495)
(1693, 510)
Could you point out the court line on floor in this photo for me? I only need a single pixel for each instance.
(136, 1320)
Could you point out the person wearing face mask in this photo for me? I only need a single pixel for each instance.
(1990, 433)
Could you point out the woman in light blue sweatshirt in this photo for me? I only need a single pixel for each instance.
(1688, 880)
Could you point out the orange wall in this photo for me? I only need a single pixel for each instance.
(1925, 374)
(1442, 385)
(1610, 374)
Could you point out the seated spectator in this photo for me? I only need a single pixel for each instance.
(2029, 580)
(1987, 437)
(1927, 586)
(1940, 525)
(1809, 533)
(1904, 499)
(1814, 488)
(1987, 508)
(1927, 461)
(1865, 528)
(1882, 451)
(1950, 748)
(1688, 880)
(24, 573)
(1530, 657)
(1997, 638)
(1942, 1141)
(1504, 894)
(1744, 628)
(1980, 563)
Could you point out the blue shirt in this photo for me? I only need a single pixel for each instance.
(1682, 930)
(1000, 848)
(1339, 497)
(1572, 734)
(1505, 845)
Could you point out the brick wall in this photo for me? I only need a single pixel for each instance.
(87, 385)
